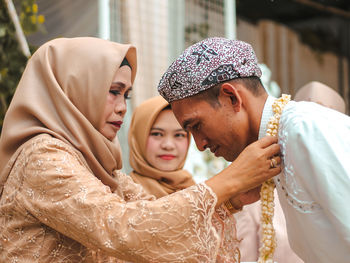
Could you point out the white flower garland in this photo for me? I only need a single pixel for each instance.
(268, 238)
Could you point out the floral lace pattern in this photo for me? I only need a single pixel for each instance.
(53, 209)
(225, 223)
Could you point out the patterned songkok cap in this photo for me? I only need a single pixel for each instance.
(206, 64)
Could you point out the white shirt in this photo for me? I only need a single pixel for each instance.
(314, 186)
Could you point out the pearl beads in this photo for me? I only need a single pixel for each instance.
(268, 238)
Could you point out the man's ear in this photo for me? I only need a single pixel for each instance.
(230, 91)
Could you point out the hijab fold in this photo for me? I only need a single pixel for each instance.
(155, 181)
(62, 93)
(320, 93)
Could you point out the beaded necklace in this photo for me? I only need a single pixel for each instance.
(268, 238)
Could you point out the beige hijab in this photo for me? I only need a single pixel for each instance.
(320, 93)
(156, 182)
(62, 93)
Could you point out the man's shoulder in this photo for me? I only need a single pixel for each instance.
(308, 119)
(310, 113)
(301, 121)
(297, 113)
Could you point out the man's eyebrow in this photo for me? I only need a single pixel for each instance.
(186, 123)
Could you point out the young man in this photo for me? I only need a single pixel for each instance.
(215, 92)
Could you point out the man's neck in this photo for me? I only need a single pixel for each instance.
(255, 111)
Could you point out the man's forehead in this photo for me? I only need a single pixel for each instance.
(185, 106)
(180, 108)
(188, 110)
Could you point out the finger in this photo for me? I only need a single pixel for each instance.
(274, 162)
(277, 159)
(272, 150)
(267, 141)
(274, 171)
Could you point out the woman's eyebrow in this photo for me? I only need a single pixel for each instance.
(120, 85)
(156, 128)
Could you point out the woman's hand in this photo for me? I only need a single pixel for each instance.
(251, 168)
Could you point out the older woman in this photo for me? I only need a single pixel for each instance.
(62, 199)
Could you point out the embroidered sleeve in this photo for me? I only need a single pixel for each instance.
(225, 224)
(61, 193)
(128, 190)
(319, 157)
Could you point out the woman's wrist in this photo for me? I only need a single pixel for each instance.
(233, 205)
(223, 185)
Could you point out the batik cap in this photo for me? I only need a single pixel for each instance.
(206, 64)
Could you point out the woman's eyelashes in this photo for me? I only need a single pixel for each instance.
(156, 134)
(176, 135)
(127, 95)
(180, 134)
(116, 92)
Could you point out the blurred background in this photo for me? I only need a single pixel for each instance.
(296, 41)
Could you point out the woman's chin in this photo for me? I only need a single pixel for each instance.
(166, 168)
(111, 136)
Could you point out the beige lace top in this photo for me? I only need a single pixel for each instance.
(53, 209)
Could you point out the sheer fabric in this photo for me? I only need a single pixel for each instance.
(152, 179)
(61, 199)
(50, 191)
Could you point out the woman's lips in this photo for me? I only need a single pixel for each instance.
(167, 157)
(117, 124)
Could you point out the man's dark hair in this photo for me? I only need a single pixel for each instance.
(253, 84)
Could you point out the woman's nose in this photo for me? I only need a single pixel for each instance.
(167, 143)
(120, 107)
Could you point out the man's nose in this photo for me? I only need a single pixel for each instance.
(201, 143)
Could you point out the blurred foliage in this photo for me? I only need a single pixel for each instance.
(12, 60)
(29, 17)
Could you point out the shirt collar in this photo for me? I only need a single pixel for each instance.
(266, 115)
